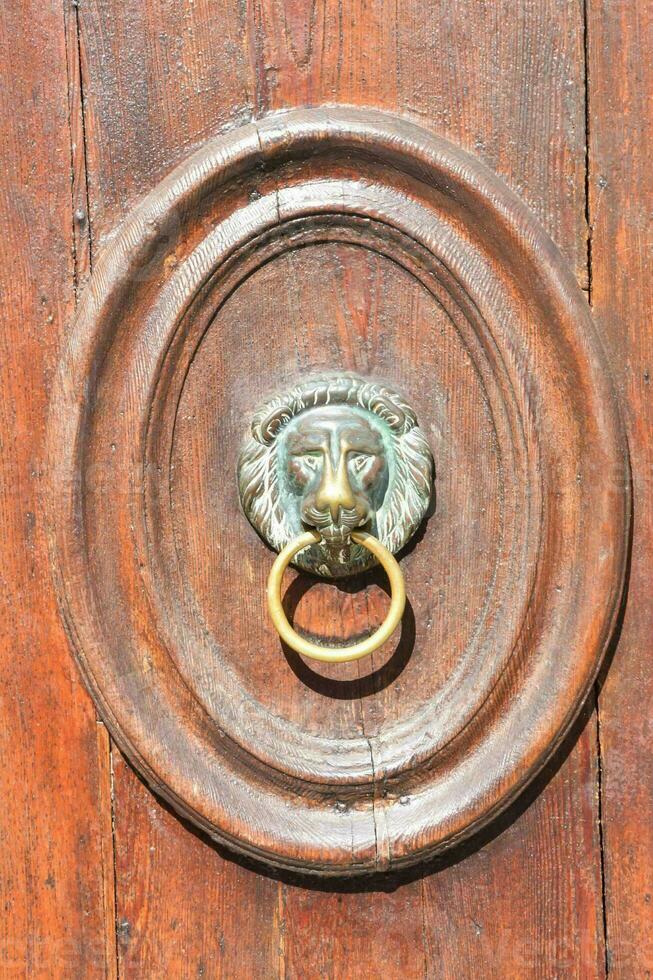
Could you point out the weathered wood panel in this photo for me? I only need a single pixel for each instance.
(56, 862)
(621, 211)
(509, 85)
(158, 79)
(185, 910)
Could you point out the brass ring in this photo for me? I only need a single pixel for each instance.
(336, 654)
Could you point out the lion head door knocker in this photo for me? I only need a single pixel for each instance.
(336, 475)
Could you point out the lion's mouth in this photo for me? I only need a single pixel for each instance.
(336, 535)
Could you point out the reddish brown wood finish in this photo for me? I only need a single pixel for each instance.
(506, 81)
(516, 89)
(621, 205)
(158, 573)
(217, 919)
(56, 862)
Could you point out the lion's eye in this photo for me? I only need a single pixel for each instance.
(360, 460)
(309, 460)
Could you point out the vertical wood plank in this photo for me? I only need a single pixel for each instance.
(621, 200)
(184, 910)
(56, 865)
(506, 81)
(352, 934)
(158, 78)
(529, 903)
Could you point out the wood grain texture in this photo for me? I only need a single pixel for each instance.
(206, 916)
(504, 80)
(515, 97)
(158, 78)
(56, 865)
(522, 902)
(621, 209)
(482, 712)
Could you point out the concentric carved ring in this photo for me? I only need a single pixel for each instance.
(516, 586)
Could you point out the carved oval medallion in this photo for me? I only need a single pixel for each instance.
(351, 241)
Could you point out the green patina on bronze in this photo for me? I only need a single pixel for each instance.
(335, 453)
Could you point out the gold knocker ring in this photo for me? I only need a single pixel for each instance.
(336, 655)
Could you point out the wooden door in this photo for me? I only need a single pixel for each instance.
(525, 123)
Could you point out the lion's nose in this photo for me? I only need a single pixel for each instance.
(335, 489)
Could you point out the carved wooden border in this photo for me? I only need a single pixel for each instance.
(335, 173)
